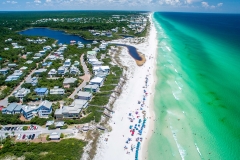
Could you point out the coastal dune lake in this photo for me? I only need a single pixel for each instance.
(198, 87)
(61, 36)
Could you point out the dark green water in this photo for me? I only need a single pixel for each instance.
(197, 100)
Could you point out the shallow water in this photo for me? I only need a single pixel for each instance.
(198, 88)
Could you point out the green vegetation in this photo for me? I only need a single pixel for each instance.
(62, 135)
(12, 99)
(51, 127)
(70, 149)
(15, 119)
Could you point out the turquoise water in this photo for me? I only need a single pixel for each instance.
(197, 100)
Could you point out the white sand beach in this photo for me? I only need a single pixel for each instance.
(135, 100)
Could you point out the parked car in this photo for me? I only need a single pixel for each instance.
(33, 136)
(30, 136)
(23, 137)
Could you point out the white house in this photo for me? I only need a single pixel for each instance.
(105, 69)
(52, 73)
(57, 90)
(84, 95)
(21, 93)
(97, 80)
(67, 63)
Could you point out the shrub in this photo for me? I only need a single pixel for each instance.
(62, 135)
(47, 138)
(64, 127)
(51, 127)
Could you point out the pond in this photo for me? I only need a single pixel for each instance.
(61, 36)
(132, 51)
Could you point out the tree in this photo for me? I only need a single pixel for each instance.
(12, 99)
(51, 127)
(25, 128)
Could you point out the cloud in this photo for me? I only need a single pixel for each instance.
(37, 1)
(48, 1)
(206, 5)
(12, 2)
(219, 4)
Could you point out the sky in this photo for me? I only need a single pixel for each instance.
(219, 6)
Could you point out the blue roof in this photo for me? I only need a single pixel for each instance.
(41, 90)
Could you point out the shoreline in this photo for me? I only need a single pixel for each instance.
(151, 123)
(116, 146)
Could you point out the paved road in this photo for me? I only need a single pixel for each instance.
(86, 78)
(4, 102)
(37, 132)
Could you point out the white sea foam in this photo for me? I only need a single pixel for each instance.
(181, 150)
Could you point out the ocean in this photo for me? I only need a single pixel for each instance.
(197, 95)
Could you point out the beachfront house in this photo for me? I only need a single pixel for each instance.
(84, 95)
(91, 88)
(49, 123)
(72, 111)
(68, 81)
(88, 46)
(57, 90)
(104, 69)
(21, 93)
(97, 80)
(41, 91)
(12, 108)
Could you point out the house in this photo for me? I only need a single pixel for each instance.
(54, 136)
(101, 74)
(33, 81)
(97, 80)
(12, 78)
(46, 48)
(29, 111)
(62, 70)
(23, 68)
(102, 47)
(67, 63)
(52, 73)
(38, 55)
(91, 88)
(74, 70)
(12, 65)
(80, 46)
(97, 63)
(42, 52)
(6, 49)
(72, 111)
(57, 90)
(52, 57)
(17, 73)
(12, 108)
(109, 34)
(4, 71)
(45, 109)
(97, 69)
(41, 91)
(59, 124)
(84, 95)
(94, 42)
(46, 64)
(88, 46)
(29, 62)
(21, 93)
(68, 81)
(40, 71)
(76, 63)
(49, 123)
(96, 49)
(92, 53)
